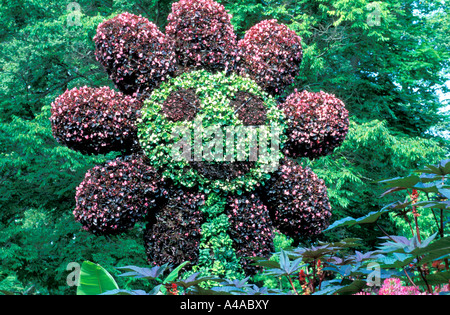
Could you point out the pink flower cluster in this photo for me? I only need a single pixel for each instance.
(270, 53)
(317, 123)
(298, 200)
(394, 286)
(114, 196)
(135, 53)
(95, 120)
(202, 34)
(250, 228)
(173, 233)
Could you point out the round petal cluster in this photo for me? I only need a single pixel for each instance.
(114, 196)
(298, 201)
(173, 234)
(317, 124)
(203, 35)
(250, 229)
(95, 120)
(270, 53)
(134, 52)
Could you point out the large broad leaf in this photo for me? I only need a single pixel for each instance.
(435, 278)
(94, 280)
(333, 287)
(442, 168)
(143, 273)
(445, 205)
(174, 274)
(436, 250)
(404, 182)
(349, 221)
(195, 279)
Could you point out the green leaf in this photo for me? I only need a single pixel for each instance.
(442, 168)
(436, 278)
(404, 182)
(174, 274)
(436, 250)
(349, 221)
(330, 288)
(94, 280)
(434, 204)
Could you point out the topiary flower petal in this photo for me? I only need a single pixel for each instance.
(203, 35)
(135, 53)
(95, 120)
(317, 124)
(270, 53)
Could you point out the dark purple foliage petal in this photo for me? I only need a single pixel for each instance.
(202, 34)
(317, 124)
(250, 229)
(173, 234)
(114, 196)
(135, 53)
(297, 200)
(95, 120)
(270, 53)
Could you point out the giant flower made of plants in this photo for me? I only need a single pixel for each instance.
(207, 148)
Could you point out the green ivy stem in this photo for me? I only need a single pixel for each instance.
(213, 231)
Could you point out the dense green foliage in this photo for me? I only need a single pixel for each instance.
(388, 76)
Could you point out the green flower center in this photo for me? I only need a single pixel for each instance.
(217, 131)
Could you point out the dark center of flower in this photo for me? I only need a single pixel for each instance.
(181, 105)
(222, 170)
(250, 108)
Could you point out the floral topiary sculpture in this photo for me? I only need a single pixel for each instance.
(205, 142)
